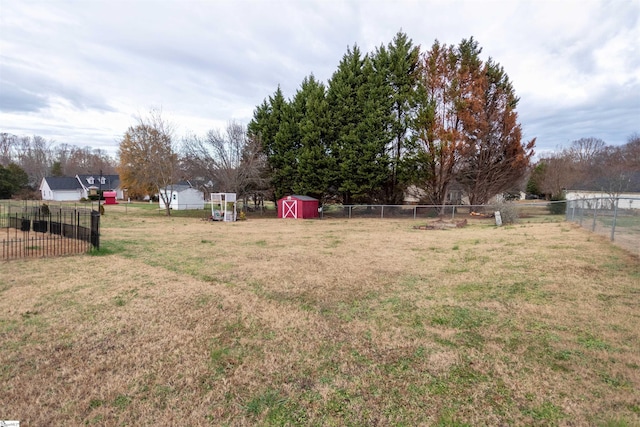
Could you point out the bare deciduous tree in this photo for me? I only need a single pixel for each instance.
(229, 162)
(585, 150)
(8, 144)
(34, 156)
(559, 173)
(148, 161)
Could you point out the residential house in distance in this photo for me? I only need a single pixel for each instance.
(64, 188)
(61, 189)
(602, 192)
(92, 183)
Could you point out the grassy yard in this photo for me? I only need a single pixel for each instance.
(335, 322)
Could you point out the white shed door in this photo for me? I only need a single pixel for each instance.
(290, 209)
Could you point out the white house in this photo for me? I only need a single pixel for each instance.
(61, 189)
(92, 183)
(183, 197)
(66, 188)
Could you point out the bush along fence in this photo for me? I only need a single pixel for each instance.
(31, 229)
(615, 217)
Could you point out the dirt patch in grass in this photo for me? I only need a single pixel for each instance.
(358, 321)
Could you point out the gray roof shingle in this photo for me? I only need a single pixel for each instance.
(62, 183)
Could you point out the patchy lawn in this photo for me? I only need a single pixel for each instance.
(333, 322)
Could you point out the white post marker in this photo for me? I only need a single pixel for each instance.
(498, 218)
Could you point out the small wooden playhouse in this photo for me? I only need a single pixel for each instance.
(296, 206)
(223, 207)
(109, 197)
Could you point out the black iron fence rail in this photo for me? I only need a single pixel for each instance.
(34, 229)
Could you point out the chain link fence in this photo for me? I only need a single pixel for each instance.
(615, 217)
(453, 212)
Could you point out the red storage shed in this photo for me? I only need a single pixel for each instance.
(109, 197)
(297, 207)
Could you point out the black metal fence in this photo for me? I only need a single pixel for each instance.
(36, 229)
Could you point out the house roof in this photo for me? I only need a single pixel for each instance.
(631, 184)
(110, 181)
(62, 183)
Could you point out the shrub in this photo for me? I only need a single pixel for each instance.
(508, 212)
(558, 205)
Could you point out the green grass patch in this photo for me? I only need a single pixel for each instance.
(547, 413)
(591, 342)
(460, 317)
(122, 401)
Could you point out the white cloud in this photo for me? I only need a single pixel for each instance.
(77, 72)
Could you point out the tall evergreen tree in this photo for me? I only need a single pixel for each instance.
(285, 152)
(12, 179)
(265, 126)
(399, 62)
(359, 128)
(314, 163)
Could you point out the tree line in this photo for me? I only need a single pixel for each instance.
(387, 122)
(25, 160)
(397, 119)
(588, 164)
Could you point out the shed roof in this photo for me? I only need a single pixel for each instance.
(177, 188)
(299, 197)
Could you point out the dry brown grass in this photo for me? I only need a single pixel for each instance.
(334, 322)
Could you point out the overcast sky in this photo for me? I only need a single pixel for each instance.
(79, 72)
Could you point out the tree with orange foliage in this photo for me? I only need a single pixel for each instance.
(495, 158)
(437, 145)
(467, 129)
(148, 161)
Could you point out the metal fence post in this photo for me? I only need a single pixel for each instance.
(595, 216)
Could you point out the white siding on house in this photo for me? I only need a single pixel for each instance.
(625, 200)
(183, 199)
(58, 195)
(67, 196)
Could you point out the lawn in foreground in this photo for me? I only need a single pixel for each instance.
(334, 322)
